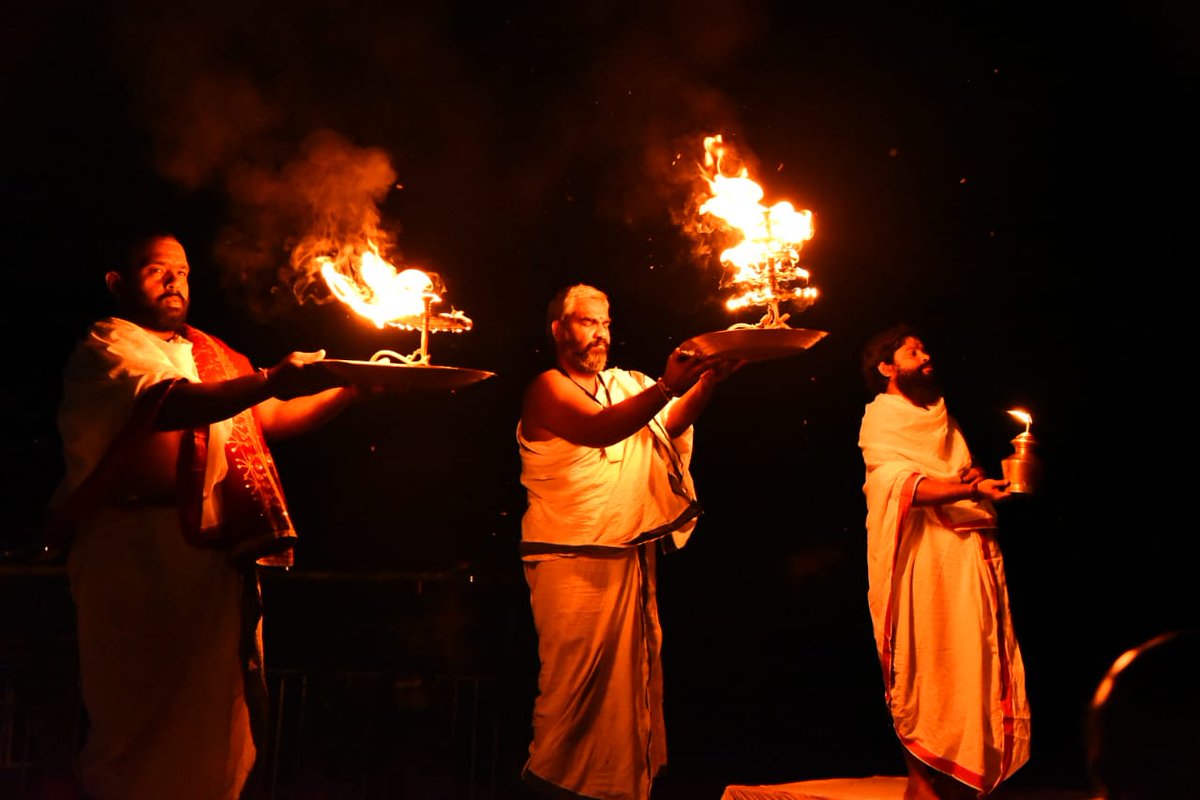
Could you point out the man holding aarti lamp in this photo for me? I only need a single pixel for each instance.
(605, 456)
(169, 503)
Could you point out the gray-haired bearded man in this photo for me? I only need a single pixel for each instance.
(605, 456)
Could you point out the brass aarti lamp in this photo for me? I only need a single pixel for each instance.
(1023, 468)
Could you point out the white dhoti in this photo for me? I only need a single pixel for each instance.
(598, 720)
(589, 539)
(160, 661)
(954, 679)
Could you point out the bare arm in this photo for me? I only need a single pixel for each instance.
(283, 418)
(554, 405)
(189, 404)
(686, 411)
(971, 486)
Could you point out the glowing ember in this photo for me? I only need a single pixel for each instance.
(763, 264)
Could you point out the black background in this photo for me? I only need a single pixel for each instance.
(1017, 179)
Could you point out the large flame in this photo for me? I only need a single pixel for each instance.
(764, 263)
(370, 285)
(367, 282)
(376, 290)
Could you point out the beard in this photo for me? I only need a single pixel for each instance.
(922, 388)
(589, 358)
(158, 315)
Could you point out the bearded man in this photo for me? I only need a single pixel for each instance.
(170, 503)
(954, 680)
(605, 456)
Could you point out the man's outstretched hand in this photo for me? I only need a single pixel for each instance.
(721, 369)
(299, 374)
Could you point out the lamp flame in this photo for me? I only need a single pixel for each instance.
(763, 264)
(1023, 416)
(380, 293)
(370, 285)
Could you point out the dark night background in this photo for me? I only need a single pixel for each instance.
(1016, 178)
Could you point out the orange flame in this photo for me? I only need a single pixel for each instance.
(374, 288)
(763, 262)
(368, 283)
(1023, 416)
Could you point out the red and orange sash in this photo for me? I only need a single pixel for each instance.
(255, 521)
(255, 524)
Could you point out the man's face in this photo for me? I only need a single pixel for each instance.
(583, 336)
(913, 373)
(157, 295)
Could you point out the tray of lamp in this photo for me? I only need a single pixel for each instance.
(396, 377)
(753, 344)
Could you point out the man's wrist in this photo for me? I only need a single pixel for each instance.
(667, 391)
(975, 493)
(267, 386)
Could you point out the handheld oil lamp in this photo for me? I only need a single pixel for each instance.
(1023, 468)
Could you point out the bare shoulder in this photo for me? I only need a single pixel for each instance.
(544, 382)
(541, 395)
(542, 389)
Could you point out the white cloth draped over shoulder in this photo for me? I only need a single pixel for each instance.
(159, 621)
(590, 534)
(953, 674)
(103, 379)
(614, 496)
